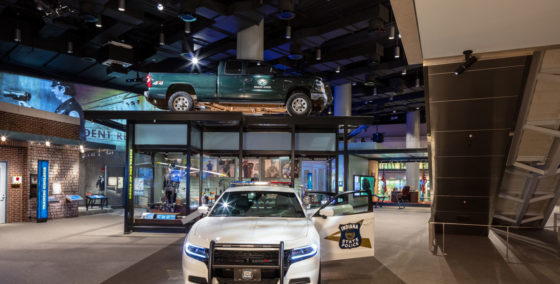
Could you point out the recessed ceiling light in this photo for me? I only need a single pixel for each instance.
(160, 6)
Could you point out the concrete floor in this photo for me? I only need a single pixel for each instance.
(92, 249)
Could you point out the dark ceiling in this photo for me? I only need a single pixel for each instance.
(351, 34)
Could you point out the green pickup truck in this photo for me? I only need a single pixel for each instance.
(237, 83)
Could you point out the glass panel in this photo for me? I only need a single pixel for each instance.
(347, 204)
(315, 141)
(160, 134)
(221, 140)
(234, 67)
(258, 68)
(267, 141)
(258, 204)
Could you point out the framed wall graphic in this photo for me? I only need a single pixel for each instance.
(120, 182)
(286, 167)
(272, 168)
(112, 181)
(251, 168)
(209, 165)
(227, 167)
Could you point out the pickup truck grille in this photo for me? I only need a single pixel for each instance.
(238, 257)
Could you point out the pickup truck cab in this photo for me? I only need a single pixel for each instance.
(239, 82)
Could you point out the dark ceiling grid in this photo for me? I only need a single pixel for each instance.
(340, 28)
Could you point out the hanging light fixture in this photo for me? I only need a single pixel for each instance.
(161, 36)
(397, 51)
(403, 71)
(392, 33)
(99, 23)
(375, 91)
(288, 32)
(122, 5)
(70, 47)
(318, 54)
(337, 69)
(187, 27)
(17, 35)
(417, 85)
(160, 6)
(392, 97)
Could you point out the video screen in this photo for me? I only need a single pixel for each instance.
(365, 183)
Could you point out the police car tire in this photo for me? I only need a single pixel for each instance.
(180, 95)
(301, 97)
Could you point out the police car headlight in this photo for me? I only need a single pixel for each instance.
(196, 252)
(303, 253)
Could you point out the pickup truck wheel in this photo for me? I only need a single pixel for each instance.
(299, 105)
(180, 101)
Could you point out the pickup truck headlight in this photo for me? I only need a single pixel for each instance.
(303, 253)
(196, 252)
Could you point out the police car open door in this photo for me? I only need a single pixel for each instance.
(346, 226)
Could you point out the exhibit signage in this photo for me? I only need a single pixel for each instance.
(42, 191)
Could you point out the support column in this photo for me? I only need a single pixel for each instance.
(343, 100)
(413, 141)
(250, 43)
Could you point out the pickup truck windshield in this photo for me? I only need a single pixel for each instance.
(258, 204)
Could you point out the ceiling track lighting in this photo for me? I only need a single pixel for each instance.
(469, 61)
(122, 5)
(404, 71)
(48, 143)
(337, 69)
(160, 6)
(417, 85)
(288, 32)
(375, 91)
(3, 138)
(17, 35)
(187, 27)
(397, 51)
(161, 37)
(392, 33)
(318, 54)
(99, 22)
(70, 48)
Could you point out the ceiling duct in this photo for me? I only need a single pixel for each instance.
(295, 52)
(188, 11)
(286, 10)
(116, 53)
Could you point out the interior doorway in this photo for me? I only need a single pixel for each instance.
(3, 191)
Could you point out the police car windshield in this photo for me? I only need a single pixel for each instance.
(258, 204)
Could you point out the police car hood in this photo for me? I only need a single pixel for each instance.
(252, 230)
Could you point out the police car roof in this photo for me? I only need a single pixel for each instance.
(267, 188)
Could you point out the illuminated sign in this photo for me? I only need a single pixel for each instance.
(42, 191)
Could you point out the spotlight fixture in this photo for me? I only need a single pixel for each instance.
(161, 37)
(392, 97)
(288, 32)
(160, 6)
(370, 80)
(392, 33)
(70, 48)
(403, 71)
(99, 23)
(417, 108)
(337, 69)
(122, 5)
(48, 143)
(397, 51)
(3, 138)
(194, 60)
(286, 8)
(394, 111)
(353, 83)
(318, 54)
(417, 85)
(469, 61)
(17, 35)
(82, 150)
(375, 91)
(187, 27)
(400, 35)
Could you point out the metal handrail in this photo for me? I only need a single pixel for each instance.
(432, 246)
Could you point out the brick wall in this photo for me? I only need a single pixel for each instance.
(64, 168)
(15, 155)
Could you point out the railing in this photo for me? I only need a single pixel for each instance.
(433, 242)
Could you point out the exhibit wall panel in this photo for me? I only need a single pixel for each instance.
(262, 141)
(160, 134)
(315, 141)
(221, 140)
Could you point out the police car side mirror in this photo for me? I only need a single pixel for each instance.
(203, 210)
(326, 212)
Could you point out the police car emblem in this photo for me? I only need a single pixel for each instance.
(350, 235)
(262, 82)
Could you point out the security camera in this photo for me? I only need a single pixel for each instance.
(469, 61)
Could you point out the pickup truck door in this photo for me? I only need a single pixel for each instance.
(261, 83)
(346, 227)
(230, 82)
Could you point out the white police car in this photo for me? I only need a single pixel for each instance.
(263, 234)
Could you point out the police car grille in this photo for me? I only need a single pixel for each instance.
(238, 257)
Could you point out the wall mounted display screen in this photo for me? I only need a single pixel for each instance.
(365, 183)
